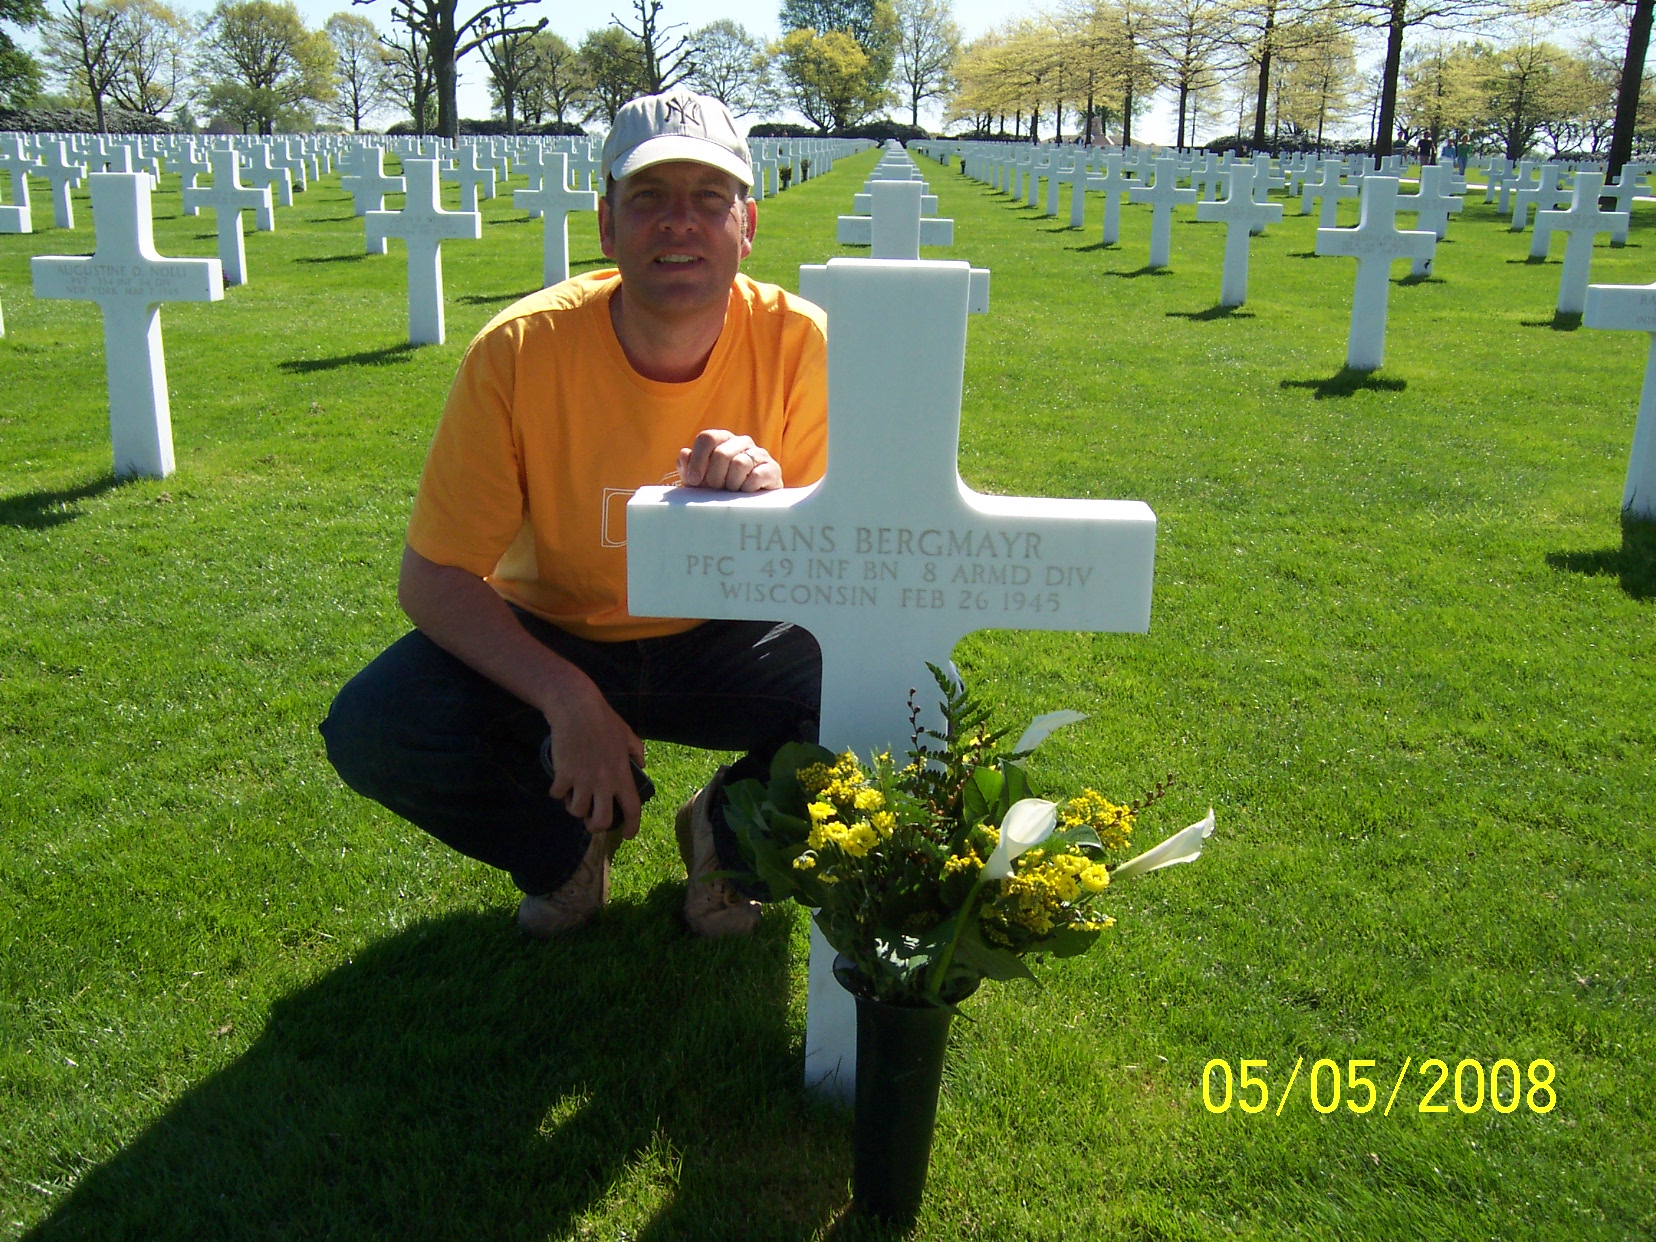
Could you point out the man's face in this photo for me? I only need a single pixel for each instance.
(678, 231)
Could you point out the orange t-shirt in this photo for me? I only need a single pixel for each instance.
(548, 430)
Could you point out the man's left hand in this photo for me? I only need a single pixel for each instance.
(725, 460)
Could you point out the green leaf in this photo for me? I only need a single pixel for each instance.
(981, 794)
(1080, 837)
(1068, 942)
(785, 791)
(1017, 783)
(992, 963)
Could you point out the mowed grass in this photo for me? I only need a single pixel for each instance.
(1401, 641)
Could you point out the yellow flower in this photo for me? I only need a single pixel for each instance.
(804, 862)
(1096, 878)
(1112, 823)
(813, 776)
(821, 812)
(884, 822)
(859, 839)
(868, 800)
(962, 862)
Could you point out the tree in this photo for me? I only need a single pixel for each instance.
(828, 78)
(1639, 13)
(871, 24)
(557, 83)
(1397, 17)
(928, 44)
(153, 65)
(84, 43)
(1186, 43)
(511, 62)
(263, 65)
(359, 68)
(407, 77)
(448, 40)
(733, 67)
(20, 75)
(665, 59)
(1524, 84)
(1443, 93)
(614, 65)
(1315, 79)
(1129, 68)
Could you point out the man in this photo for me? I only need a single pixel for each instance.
(509, 723)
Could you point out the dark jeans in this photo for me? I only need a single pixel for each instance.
(447, 749)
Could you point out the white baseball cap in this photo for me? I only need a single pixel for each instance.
(676, 125)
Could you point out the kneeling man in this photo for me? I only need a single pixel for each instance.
(510, 722)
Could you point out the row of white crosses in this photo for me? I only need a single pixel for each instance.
(890, 559)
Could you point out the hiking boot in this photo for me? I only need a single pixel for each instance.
(573, 905)
(711, 907)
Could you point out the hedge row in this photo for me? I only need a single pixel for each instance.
(81, 121)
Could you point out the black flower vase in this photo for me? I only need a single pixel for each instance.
(899, 1071)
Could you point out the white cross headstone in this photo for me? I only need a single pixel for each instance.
(228, 198)
(129, 281)
(1433, 203)
(189, 166)
(890, 559)
(262, 172)
(1113, 183)
(894, 227)
(425, 226)
(553, 202)
(1632, 308)
(1543, 194)
(64, 174)
(1375, 243)
(1240, 214)
(471, 177)
(1581, 222)
(19, 163)
(368, 184)
(1163, 194)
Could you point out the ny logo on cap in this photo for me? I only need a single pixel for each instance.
(686, 109)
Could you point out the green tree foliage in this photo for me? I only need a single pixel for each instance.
(152, 71)
(828, 78)
(84, 43)
(510, 62)
(733, 67)
(262, 65)
(20, 74)
(613, 64)
(359, 68)
(557, 84)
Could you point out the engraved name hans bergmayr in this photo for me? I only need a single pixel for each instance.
(932, 542)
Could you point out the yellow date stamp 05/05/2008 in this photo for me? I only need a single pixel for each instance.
(1502, 1085)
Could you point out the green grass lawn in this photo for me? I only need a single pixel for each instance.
(1401, 641)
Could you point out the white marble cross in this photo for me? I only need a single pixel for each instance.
(64, 174)
(553, 202)
(890, 559)
(894, 227)
(261, 172)
(1543, 194)
(129, 281)
(471, 177)
(1581, 222)
(368, 185)
(1113, 182)
(1624, 190)
(1433, 203)
(1375, 243)
(1330, 188)
(1075, 175)
(425, 226)
(228, 198)
(20, 164)
(1164, 194)
(1632, 308)
(1240, 215)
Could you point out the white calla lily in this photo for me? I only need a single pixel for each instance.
(1042, 727)
(1182, 847)
(1028, 822)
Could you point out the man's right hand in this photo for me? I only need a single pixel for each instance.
(591, 749)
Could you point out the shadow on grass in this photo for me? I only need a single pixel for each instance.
(330, 258)
(1146, 270)
(1411, 280)
(363, 358)
(335, 219)
(1634, 563)
(45, 509)
(1346, 383)
(1561, 321)
(1529, 261)
(1211, 313)
(487, 299)
(1306, 254)
(1066, 228)
(1098, 245)
(457, 1080)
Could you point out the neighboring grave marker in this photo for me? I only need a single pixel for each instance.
(1375, 243)
(891, 558)
(1163, 194)
(129, 281)
(1241, 215)
(425, 226)
(552, 203)
(228, 197)
(1632, 308)
(1580, 222)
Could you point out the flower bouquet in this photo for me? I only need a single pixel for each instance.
(928, 878)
